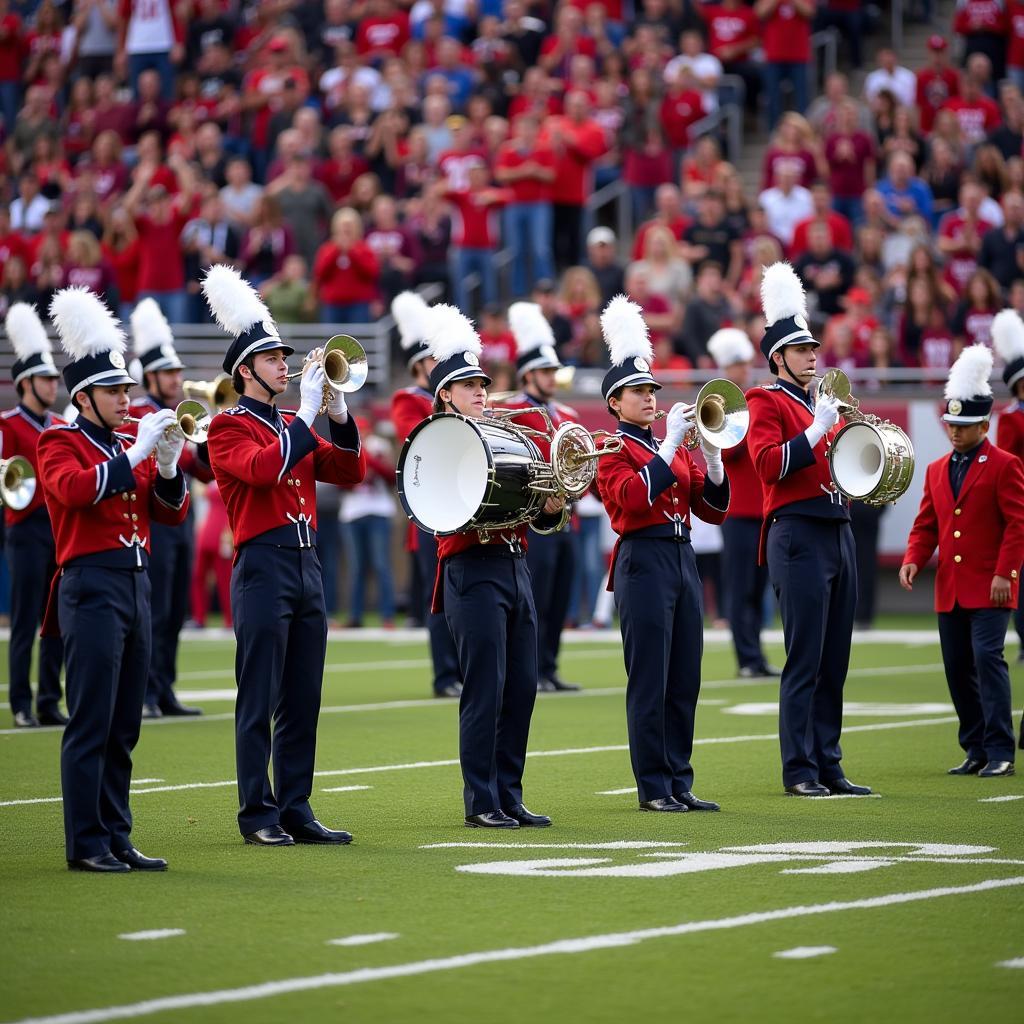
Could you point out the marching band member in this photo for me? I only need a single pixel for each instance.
(808, 541)
(973, 511)
(410, 406)
(483, 588)
(267, 464)
(170, 563)
(29, 541)
(103, 492)
(745, 578)
(1009, 344)
(551, 557)
(649, 489)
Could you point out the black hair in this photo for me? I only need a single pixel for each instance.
(237, 380)
(617, 393)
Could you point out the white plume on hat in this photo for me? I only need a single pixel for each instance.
(26, 331)
(234, 303)
(782, 294)
(529, 326)
(451, 332)
(970, 373)
(149, 327)
(84, 324)
(730, 345)
(1008, 335)
(413, 317)
(625, 331)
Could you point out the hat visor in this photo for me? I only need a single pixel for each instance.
(164, 364)
(109, 380)
(465, 373)
(269, 345)
(632, 381)
(40, 371)
(964, 421)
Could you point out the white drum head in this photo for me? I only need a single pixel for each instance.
(445, 475)
(858, 460)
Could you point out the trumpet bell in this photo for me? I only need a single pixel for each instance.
(17, 483)
(722, 417)
(218, 393)
(344, 363)
(193, 421)
(836, 383)
(573, 460)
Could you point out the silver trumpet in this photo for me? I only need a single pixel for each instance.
(345, 368)
(721, 416)
(17, 482)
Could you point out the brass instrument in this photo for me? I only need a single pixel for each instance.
(17, 483)
(192, 421)
(218, 394)
(345, 368)
(721, 416)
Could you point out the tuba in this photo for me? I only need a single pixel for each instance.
(17, 483)
(870, 459)
(218, 394)
(345, 368)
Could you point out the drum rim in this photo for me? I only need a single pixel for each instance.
(879, 495)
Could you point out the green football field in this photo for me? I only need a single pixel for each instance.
(905, 907)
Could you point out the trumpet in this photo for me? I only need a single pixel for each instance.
(345, 368)
(17, 483)
(721, 416)
(218, 393)
(836, 384)
(192, 421)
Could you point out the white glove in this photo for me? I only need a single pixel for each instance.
(826, 416)
(168, 451)
(677, 424)
(151, 429)
(713, 458)
(336, 407)
(311, 393)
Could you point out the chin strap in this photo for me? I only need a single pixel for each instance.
(792, 376)
(96, 412)
(35, 394)
(271, 395)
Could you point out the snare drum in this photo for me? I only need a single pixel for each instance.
(872, 461)
(457, 474)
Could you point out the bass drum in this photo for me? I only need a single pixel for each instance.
(457, 474)
(872, 462)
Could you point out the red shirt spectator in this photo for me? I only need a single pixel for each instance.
(612, 8)
(787, 35)
(973, 16)
(1015, 45)
(936, 83)
(454, 164)
(848, 157)
(11, 244)
(264, 88)
(676, 225)
(577, 142)
(475, 221)
(12, 47)
(732, 30)
(125, 264)
(338, 175)
(650, 165)
(961, 258)
(498, 347)
(803, 159)
(681, 108)
(530, 188)
(161, 261)
(838, 226)
(977, 114)
(384, 33)
(344, 277)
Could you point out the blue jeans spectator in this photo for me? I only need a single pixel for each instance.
(589, 570)
(851, 207)
(345, 313)
(774, 74)
(10, 103)
(328, 542)
(528, 237)
(369, 546)
(466, 261)
(173, 305)
(159, 62)
(642, 199)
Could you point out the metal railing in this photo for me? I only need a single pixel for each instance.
(824, 55)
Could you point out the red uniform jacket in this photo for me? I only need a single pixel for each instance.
(979, 535)
(19, 435)
(409, 407)
(267, 465)
(1009, 432)
(791, 472)
(745, 485)
(639, 489)
(191, 464)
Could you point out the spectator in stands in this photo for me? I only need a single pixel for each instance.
(499, 344)
(288, 295)
(735, 201)
(902, 137)
(858, 319)
(267, 242)
(240, 194)
(705, 69)
(823, 113)
(794, 143)
(826, 271)
(976, 113)
(1008, 138)
(849, 18)
(681, 107)
(1015, 45)
(545, 294)
(972, 321)
(394, 246)
(304, 204)
(764, 251)
(703, 169)
(667, 273)
(602, 262)
(712, 238)
(786, 204)
(528, 170)
(207, 239)
(663, 321)
(983, 25)
(86, 268)
(942, 175)
(904, 194)
(890, 76)
(709, 309)
(988, 169)
(734, 34)
(1002, 248)
(786, 35)
(960, 236)
(34, 120)
(647, 164)
(850, 156)
(579, 301)
(150, 38)
(94, 32)
(29, 206)
(12, 42)
(937, 82)
(120, 245)
(430, 225)
(839, 228)
(345, 272)
(924, 337)
(669, 212)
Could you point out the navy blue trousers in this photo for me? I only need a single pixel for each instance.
(488, 602)
(170, 571)
(552, 561)
(978, 679)
(1018, 625)
(813, 568)
(442, 646)
(31, 560)
(104, 620)
(661, 613)
(746, 584)
(277, 601)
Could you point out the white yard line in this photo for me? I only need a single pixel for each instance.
(154, 933)
(804, 952)
(1000, 799)
(345, 789)
(560, 947)
(1018, 962)
(449, 762)
(363, 940)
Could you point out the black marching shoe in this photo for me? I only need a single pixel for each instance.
(140, 862)
(103, 863)
(173, 708)
(491, 819)
(996, 770)
(451, 690)
(969, 767)
(313, 833)
(151, 710)
(663, 803)
(762, 671)
(527, 819)
(807, 789)
(272, 835)
(25, 720)
(844, 787)
(53, 716)
(694, 804)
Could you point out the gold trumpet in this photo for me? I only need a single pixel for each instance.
(218, 393)
(17, 482)
(192, 421)
(836, 384)
(345, 368)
